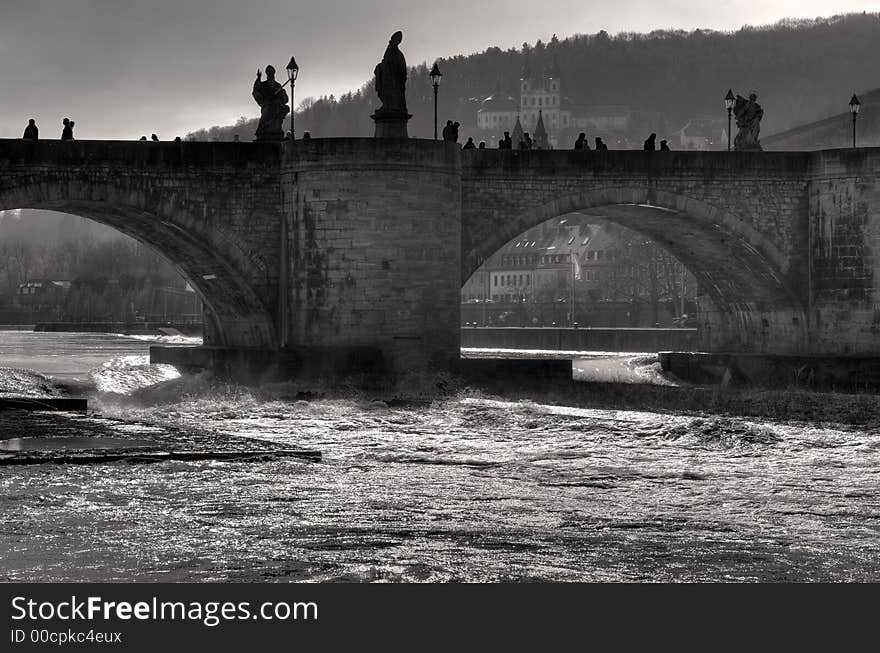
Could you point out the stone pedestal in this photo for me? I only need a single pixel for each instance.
(391, 124)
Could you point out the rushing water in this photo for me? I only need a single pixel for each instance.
(467, 488)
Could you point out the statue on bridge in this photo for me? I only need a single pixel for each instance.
(748, 119)
(390, 74)
(272, 98)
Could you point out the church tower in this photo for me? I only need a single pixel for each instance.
(541, 93)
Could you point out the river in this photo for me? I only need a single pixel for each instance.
(467, 487)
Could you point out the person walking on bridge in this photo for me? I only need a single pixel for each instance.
(31, 132)
(67, 131)
(447, 131)
(651, 143)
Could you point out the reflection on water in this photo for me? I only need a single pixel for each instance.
(467, 488)
(53, 443)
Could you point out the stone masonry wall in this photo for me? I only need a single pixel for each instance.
(845, 251)
(375, 248)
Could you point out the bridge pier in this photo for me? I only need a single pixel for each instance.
(374, 229)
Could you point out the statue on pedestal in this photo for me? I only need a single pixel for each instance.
(748, 119)
(272, 98)
(390, 74)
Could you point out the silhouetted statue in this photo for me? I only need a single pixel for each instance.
(67, 130)
(390, 74)
(600, 145)
(470, 144)
(272, 98)
(31, 132)
(581, 142)
(748, 118)
(391, 77)
(664, 146)
(651, 143)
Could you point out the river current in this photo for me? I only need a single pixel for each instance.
(466, 487)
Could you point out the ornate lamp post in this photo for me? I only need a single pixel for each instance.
(292, 72)
(435, 82)
(729, 99)
(854, 106)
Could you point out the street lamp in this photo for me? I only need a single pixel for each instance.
(435, 82)
(729, 99)
(854, 106)
(292, 72)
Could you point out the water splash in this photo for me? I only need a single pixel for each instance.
(126, 374)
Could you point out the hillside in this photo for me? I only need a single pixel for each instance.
(834, 131)
(802, 71)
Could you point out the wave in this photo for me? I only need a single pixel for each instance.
(125, 375)
(165, 340)
(25, 383)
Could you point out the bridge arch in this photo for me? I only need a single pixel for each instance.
(741, 270)
(210, 258)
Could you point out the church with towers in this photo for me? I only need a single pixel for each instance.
(551, 118)
(541, 109)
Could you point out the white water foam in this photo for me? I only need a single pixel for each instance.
(126, 374)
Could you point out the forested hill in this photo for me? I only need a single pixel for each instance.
(801, 70)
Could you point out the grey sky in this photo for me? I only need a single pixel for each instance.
(125, 68)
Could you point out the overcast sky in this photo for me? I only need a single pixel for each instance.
(124, 68)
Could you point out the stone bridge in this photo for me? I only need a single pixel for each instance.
(211, 209)
(331, 245)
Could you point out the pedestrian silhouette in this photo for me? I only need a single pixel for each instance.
(526, 143)
(581, 142)
(600, 145)
(447, 131)
(482, 145)
(177, 139)
(67, 131)
(236, 138)
(650, 143)
(455, 127)
(154, 138)
(307, 135)
(31, 132)
(470, 144)
(664, 147)
(144, 139)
